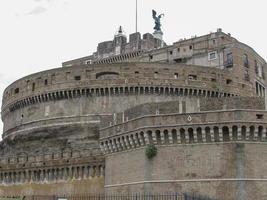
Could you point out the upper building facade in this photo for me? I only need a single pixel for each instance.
(217, 50)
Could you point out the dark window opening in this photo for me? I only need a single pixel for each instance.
(33, 86)
(192, 77)
(213, 80)
(104, 75)
(212, 55)
(150, 57)
(190, 47)
(259, 116)
(45, 82)
(77, 78)
(178, 50)
(16, 91)
(180, 60)
(171, 52)
(136, 72)
(228, 81)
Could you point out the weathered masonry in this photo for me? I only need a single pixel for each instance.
(85, 128)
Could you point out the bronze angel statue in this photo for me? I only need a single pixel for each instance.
(157, 20)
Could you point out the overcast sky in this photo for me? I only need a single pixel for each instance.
(36, 35)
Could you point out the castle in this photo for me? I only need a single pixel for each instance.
(88, 126)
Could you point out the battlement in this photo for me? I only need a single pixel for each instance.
(119, 50)
(51, 167)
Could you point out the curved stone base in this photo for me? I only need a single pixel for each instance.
(71, 187)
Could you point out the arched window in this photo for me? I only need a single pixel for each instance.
(216, 134)
(235, 130)
(174, 136)
(225, 132)
(199, 135)
(191, 135)
(208, 135)
(182, 135)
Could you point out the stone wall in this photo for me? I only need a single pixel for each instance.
(211, 169)
(70, 187)
(256, 103)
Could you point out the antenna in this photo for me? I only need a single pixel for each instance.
(136, 4)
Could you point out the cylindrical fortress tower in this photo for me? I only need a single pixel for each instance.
(81, 95)
(86, 129)
(52, 118)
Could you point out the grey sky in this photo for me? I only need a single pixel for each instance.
(40, 34)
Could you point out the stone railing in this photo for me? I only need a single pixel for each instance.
(206, 127)
(35, 125)
(51, 167)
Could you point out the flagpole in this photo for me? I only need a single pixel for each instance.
(136, 16)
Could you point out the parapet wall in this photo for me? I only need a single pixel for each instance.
(201, 127)
(24, 174)
(256, 103)
(183, 105)
(226, 170)
(130, 74)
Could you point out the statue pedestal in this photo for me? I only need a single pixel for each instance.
(158, 34)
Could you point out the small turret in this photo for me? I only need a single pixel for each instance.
(119, 41)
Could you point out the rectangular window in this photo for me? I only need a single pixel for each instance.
(245, 60)
(212, 55)
(180, 60)
(33, 86)
(176, 75)
(229, 59)
(192, 77)
(259, 116)
(228, 81)
(16, 91)
(77, 78)
(260, 89)
(45, 82)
